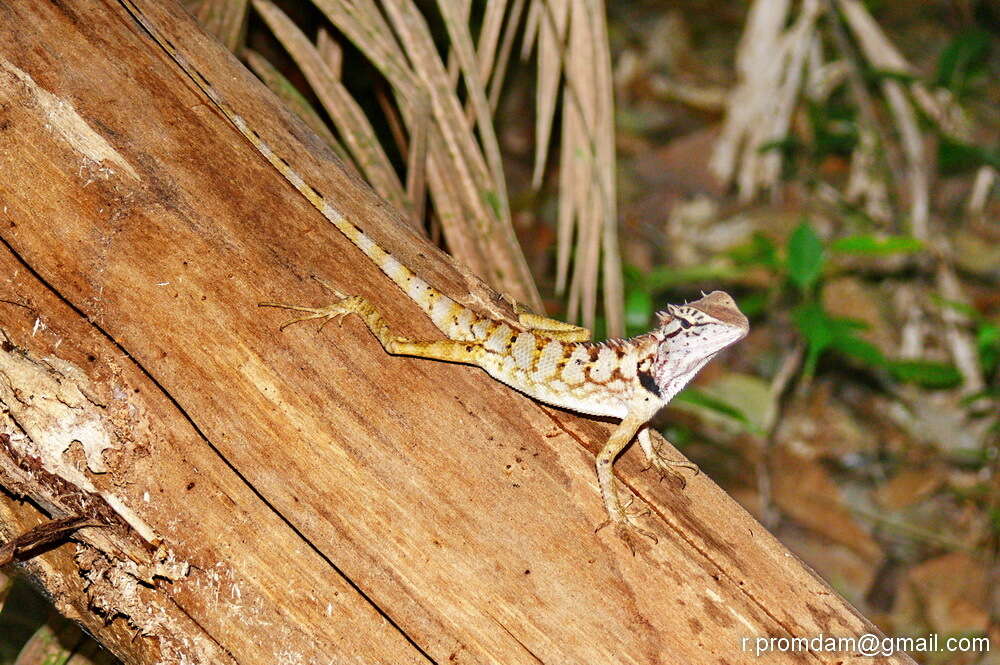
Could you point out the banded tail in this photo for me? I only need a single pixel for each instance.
(453, 319)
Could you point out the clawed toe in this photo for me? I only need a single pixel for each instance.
(344, 305)
(668, 468)
(629, 533)
(627, 514)
(328, 313)
(626, 527)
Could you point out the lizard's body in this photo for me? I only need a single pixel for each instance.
(551, 361)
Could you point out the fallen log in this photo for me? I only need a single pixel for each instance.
(301, 497)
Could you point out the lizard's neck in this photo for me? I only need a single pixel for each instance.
(679, 357)
(673, 372)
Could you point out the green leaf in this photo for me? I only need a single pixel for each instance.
(822, 332)
(814, 325)
(787, 146)
(638, 310)
(665, 278)
(988, 334)
(962, 59)
(679, 435)
(875, 245)
(702, 399)
(858, 348)
(633, 276)
(994, 514)
(879, 75)
(925, 373)
(956, 157)
(834, 127)
(988, 345)
(753, 304)
(759, 251)
(958, 306)
(805, 256)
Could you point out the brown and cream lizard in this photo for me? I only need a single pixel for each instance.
(551, 361)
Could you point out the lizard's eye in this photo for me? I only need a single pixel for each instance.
(684, 323)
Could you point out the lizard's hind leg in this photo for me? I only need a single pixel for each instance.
(450, 350)
(553, 328)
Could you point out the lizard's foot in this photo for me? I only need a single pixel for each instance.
(346, 305)
(667, 468)
(626, 527)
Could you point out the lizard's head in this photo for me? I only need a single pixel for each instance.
(690, 335)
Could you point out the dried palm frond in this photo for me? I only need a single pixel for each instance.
(770, 63)
(292, 98)
(572, 42)
(781, 64)
(440, 110)
(773, 61)
(226, 19)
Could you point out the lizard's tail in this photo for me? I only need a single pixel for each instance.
(453, 319)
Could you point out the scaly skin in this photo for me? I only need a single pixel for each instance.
(617, 378)
(551, 361)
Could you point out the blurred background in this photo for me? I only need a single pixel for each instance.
(832, 164)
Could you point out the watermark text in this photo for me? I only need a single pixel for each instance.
(865, 645)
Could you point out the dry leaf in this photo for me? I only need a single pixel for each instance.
(804, 491)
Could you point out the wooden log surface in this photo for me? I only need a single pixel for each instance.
(302, 497)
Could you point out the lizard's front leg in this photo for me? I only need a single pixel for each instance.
(450, 350)
(618, 513)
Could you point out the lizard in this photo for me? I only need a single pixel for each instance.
(551, 361)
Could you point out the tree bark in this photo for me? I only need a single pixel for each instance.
(300, 497)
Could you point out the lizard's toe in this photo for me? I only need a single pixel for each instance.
(669, 469)
(345, 305)
(329, 287)
(629, 534)
(626, 527)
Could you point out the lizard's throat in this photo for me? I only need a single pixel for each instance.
(674, 371)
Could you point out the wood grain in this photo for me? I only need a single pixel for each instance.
(336, 505)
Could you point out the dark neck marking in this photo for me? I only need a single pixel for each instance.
(649, 383)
